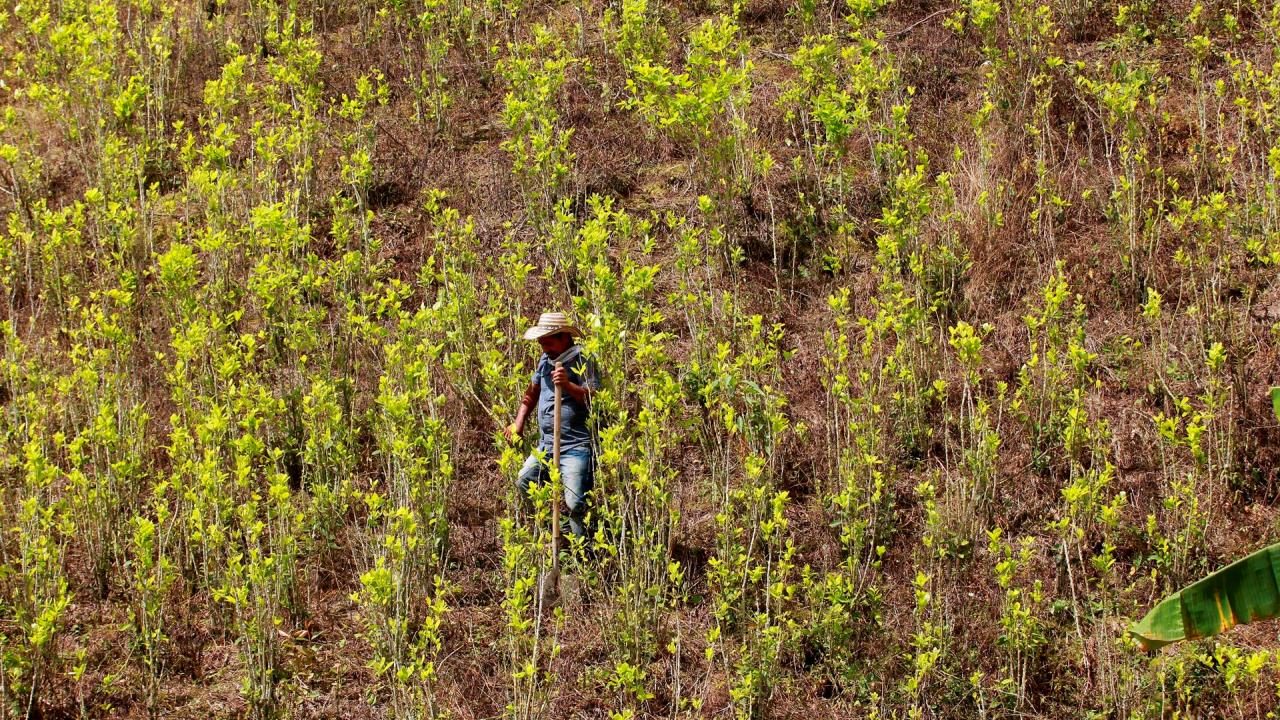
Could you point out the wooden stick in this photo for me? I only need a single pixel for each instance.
(555, 499)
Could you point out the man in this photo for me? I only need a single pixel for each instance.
(577, 380)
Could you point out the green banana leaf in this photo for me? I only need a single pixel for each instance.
(1242, 592)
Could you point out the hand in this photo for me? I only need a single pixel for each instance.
(560, 377)
(511, 433)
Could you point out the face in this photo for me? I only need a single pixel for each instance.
(553, 345)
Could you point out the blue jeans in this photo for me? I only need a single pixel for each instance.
(577, 475)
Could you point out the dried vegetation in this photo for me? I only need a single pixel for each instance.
(935, 343)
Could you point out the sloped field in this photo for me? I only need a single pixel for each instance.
(935, 343)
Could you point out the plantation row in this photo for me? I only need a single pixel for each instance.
(914, 398)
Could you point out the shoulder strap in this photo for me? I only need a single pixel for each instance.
(569, 355)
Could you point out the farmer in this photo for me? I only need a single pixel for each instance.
(577, 380)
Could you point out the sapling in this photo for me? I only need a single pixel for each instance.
(461, 307)
(328, 457)
(539, 142)
(405, 639)
(1022, 632)
(257, 585)
(106, 426)
(1254, 136)
(356, 165)
(641, 37)
(532, 631)
(39, 597)
(969, 493)
(424, 36)
(152, 575)
(751, 578)
(1197, 450)
(927, 647)
(704, 107)
(1091, 511)
(1207, 262)
(1057, 367)
(1128, 97)
(842, 92)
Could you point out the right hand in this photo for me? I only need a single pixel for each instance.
(560, 376)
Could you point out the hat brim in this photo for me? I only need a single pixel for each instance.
(538, 331)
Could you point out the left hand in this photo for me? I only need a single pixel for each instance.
(560, 378)
(511, 433)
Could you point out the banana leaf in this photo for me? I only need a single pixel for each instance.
(1242, 592)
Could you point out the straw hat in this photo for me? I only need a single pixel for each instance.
(550, 324)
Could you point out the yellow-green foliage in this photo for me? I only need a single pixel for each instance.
(933, 347)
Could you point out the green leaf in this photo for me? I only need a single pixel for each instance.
(1242, 592)
(1275, 401)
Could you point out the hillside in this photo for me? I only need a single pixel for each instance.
(934, 343)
